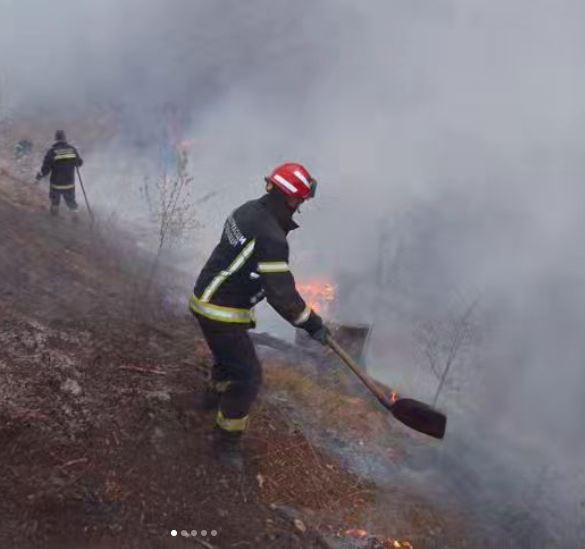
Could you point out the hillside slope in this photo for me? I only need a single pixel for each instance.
(101, 444)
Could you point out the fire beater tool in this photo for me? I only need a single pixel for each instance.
(414, 414)
(85, 195)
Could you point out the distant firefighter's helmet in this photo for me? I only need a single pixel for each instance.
(60, 135)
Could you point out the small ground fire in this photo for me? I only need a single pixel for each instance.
(318, 293)
(382, 542)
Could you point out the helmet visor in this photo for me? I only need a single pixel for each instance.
(313, 190)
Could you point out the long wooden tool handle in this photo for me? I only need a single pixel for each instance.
(356, 369)
(85, 195)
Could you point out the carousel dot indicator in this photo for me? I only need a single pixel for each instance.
(173, 533)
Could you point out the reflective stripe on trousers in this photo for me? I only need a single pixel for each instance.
(232, 425)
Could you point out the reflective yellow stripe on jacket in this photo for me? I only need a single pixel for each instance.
(273, 267)
(68, 156)
(303, 317)
(236, 265)
(231, 315)
(63, 187)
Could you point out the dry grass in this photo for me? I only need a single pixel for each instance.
(330, 398)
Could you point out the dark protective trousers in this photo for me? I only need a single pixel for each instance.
(236, 371)
(68, 195)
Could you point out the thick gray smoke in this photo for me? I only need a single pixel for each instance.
(452, 128)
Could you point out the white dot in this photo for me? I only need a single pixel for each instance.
(184, 533)
(193, 533)
(203, 533)
(214, 532)
(173, 533)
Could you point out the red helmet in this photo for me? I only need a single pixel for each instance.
(293, 180)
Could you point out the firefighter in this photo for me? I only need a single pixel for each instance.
(250, 263)
(23, 148)
(61, 161)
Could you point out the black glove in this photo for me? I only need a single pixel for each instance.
(321, 335)
(38, 177)
(316, 329)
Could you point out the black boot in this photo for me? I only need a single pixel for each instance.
(227, 449)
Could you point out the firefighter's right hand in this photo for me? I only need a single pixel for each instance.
(315, 328)
(321, 334)
(38, 177)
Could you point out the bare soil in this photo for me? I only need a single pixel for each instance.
(101, 442)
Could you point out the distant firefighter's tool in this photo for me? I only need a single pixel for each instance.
(414, 414)
(85, 195)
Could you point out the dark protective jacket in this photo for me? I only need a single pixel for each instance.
(250, 263)
(60, 161)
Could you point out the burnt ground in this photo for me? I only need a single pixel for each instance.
(102, 446)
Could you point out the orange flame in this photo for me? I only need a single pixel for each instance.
(398, 544)
(388, 543)
(318, 294)
(357, 533)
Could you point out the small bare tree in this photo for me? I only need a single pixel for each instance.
(169, 203)
(444, 341)
(176, 214)
(171, 208)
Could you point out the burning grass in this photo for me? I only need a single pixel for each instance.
(370, 541)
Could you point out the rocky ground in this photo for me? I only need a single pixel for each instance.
(102, 446)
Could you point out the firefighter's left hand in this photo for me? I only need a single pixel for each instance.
(321, 334)
(38, 177)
